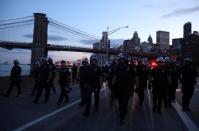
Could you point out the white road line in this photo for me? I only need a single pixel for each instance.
(185, 118)
(150, 107)
(25, 126)
(46, 116)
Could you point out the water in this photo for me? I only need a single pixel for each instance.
(5, 70)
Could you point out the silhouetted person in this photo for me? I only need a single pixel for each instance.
(63, 83)
(142, 73)
(159, 84)
(15, 78)
(94, 85)
(51, 74)
(122, 80)
(83, 80)
(74, 71)
(35, 75)
(188, 80)
(43, 81)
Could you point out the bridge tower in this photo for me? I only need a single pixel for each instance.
(39, 47)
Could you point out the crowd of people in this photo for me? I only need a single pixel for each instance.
(123, 77)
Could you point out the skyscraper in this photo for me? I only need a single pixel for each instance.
(187, 29)
(162, 38)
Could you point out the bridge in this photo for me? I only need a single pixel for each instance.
(41, 36)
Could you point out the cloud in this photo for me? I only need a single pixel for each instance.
(50, 37)
(180, 12)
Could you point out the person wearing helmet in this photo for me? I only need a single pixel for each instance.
(35, 75)
(94, 85)
(43, 81)
(159, 84)
(111, 73)
(143, 75)
(15, 78)
(51, 74)
(63, 82)
(83, 80)
(188, 81)
(122, 82)
(74, 71)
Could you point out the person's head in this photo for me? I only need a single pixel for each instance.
(16, 62)
(187, 61)
(63, 63)
(123, 59)
(140, 61)
(93, 60)
(85, 61)
(160, 61)
(43, 61)
(50, 60)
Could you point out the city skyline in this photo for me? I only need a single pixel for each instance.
(94, 17)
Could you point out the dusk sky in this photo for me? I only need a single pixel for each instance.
(94, 16)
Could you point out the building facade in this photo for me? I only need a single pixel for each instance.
(132, 45)
(162, 38)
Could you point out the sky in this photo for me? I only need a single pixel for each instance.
(94, 16)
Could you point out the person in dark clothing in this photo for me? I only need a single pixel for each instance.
(175, 76)
(94, 85)
(143, 75)
(188, 81)
(74, 71)
(15, 78)
(168, 90)
(122, 80)
(159, 83)
(35, 75)
(43, 81)
(51, 74)
(83, 77)
(111, 73)
(63, 82)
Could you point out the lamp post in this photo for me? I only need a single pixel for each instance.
(107, 41)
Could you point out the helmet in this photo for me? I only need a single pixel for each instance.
(187, 59)
(167, 59)
(63, 62)
(123, 56)
(93, 57)
(160, 59)
(85, 60)
(16, 62)
(50, 60)
(43, 59)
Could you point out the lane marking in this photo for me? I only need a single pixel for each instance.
(150, 107)
(27, 125)
(185, 118)
(23, 127)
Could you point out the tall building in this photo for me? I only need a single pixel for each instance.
(187, 30)
(102, 58)
(176, 48)
(190, 43)
(132, 44)
(147, 46)
(162, 38)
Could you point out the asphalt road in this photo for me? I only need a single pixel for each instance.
(19, 113)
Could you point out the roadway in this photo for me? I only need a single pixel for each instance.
(19, 113)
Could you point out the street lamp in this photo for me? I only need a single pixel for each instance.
(110, 33)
